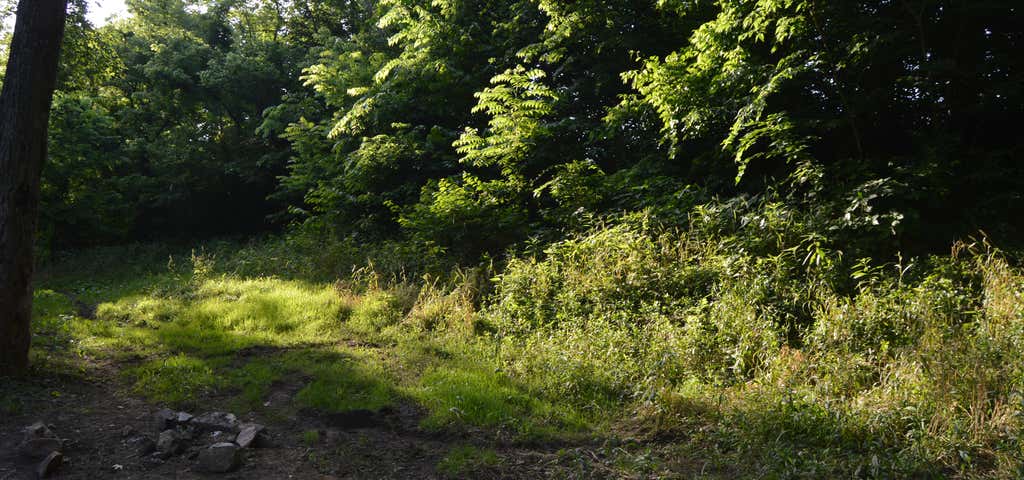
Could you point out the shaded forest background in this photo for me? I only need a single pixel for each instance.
(464, 128)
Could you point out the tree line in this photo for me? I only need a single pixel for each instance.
(470, 126)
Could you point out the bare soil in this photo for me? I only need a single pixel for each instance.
(92, 412)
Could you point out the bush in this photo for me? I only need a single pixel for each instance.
(911, 368)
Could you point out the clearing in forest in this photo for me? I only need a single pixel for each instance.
(345, 387)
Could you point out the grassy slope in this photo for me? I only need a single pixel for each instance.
(619, 336)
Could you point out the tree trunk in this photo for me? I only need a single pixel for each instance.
(24, 113)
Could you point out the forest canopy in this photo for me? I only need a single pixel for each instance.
(470, 126)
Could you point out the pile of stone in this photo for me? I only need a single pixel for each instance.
(213, 439)
(41, 444)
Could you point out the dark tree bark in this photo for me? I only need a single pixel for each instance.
(24, 112)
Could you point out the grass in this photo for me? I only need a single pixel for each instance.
(465, 460)
(311, 437)
(729, 355)
(186, 334)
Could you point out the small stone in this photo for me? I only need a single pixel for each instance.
(39, 441)
(38, 430)
(187, 432)
(219, 458)
(127, 431)
(263, 440)
(142, 445)
(37, 448)
(183, 417)
(248, 435)
(159, 457)
(171, 443)
(49, 465)
(164, 419)
(213, 421)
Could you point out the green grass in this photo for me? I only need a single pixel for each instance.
(184, 337)
(754, 364)
(311, 437)
(175, 380)
(457, 394)
(465, 460)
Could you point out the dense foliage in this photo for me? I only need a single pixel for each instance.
(472, 125)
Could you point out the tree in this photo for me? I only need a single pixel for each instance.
(24, 112)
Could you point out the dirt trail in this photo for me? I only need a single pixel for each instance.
(92, 415)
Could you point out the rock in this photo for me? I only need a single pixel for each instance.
(248, 435)
(220, 457)
(187, 432)
(39, 441)
(164, 419)
(183, 418)
(263, 440)
(49, 465)
(213, 421)
(127, 431)
(160, 457)
(36, 448)
(38, 430)
(171, 443)
(141, 445)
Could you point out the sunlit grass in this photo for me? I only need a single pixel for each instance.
(465, 459)
(898, 378)
(175, 380)
(184, 337)
(470, 394)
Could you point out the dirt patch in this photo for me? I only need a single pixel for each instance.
(92, 417)
(83, 309)
(93, 410)
(281, 392)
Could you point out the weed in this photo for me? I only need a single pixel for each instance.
(177, 380)
(311, 437)
(466, 460)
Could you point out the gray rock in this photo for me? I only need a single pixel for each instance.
(214, 421)
(164, 419)
(159, 457)
(152, 460)
(49, 464)
(39, 441)
(183, 418)
(38, 430)
(219, 458)
(141, 445)
(171, 442)
(249, 435)
(37, 448)
(127, 431)
(187, 432)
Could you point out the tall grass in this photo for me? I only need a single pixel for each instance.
(917, 370)
(748, 338)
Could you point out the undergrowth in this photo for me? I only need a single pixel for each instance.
(743, 339)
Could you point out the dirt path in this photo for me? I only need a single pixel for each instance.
(92, 415)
